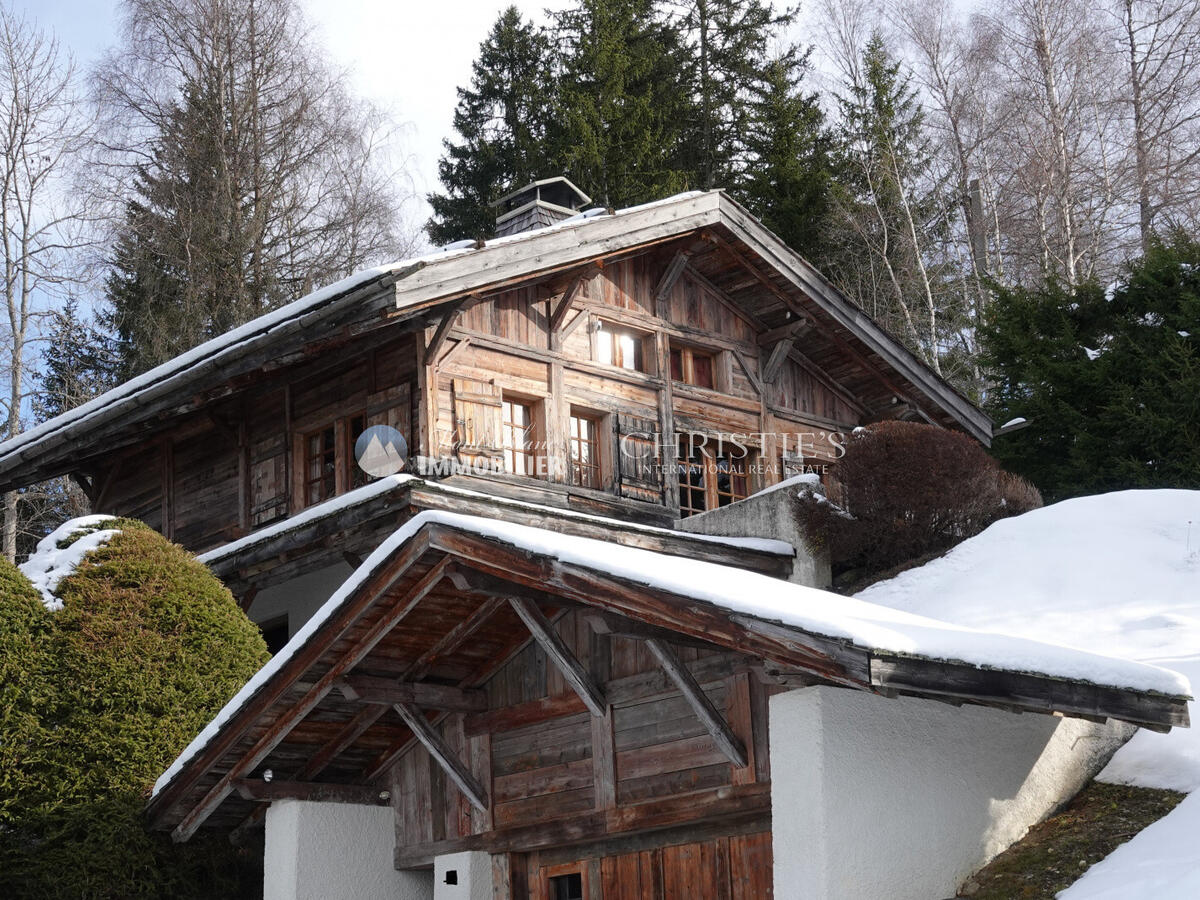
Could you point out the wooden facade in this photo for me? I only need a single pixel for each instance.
(593, 348)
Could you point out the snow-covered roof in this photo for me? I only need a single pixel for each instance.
(361, 495)
(744, 597)
(419, 282)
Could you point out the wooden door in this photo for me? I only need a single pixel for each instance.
(737, 867)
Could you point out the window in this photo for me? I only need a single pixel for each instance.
(329, 466)
(584, 445)
(275, 633)
(710, 478)
(692, 366)
(621, 347)
(320, 465)
(566, 887)
(516, 432)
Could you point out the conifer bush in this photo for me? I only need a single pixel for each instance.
(907, 491)
(97, 699)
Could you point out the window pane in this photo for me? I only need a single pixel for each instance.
(702, 370)
(629, 352)
(677, 365)
(604, 345)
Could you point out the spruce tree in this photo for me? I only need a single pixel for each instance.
(788, 176)
(504, 124)
(729, 44)
(1109, 381)
(624, 101)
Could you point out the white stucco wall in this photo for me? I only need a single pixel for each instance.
(298, 598)
(335, 851)
(473, 869)
(878, 799)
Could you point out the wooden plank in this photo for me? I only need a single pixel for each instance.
(670, 275)
(455, 770)
(386, 691)
(429, 357)
(604, 766)
(298, 710)
(729, 743)
(540, 710)
(560, 654)
(270, 791)
(454, 638)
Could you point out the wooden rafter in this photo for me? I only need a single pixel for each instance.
(387, 691)
(298, 711)
(443, 755)
(443, 329)
(572, 670)
(268, 791)
(454, 638)
(670, 275)
(774, 363)
(728, 742)
(570, 295)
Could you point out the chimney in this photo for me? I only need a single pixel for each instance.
(537, 205)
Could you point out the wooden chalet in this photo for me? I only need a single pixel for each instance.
(573, 651)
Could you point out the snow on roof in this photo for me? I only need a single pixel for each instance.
(738, 591)
(241, 337)
(384, 485)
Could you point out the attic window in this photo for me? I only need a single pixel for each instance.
(690, 365)
(620, 347)
(328, 464)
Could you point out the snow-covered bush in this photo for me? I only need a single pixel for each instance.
(105, 680)
(908, 490)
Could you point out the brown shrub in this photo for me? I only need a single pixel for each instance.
(909, 490)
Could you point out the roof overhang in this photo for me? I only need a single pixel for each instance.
(435, 609)
(413, 291)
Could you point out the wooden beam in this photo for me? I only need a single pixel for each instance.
(388, 691)
(443, 755)
(574, 673)
(754, 380)
(570, 295)
(443, 329)
(298, 710)
(774, 364)
(728, 742)
(793, 329)
(269, 791)
(454, 638)
(619, 626)
(670, 275)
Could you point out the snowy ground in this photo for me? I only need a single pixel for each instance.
(1117, 574)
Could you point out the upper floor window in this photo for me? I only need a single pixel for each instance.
(329, 466)
(690, 365)
(621, 347)
(517, 437)
(584, 445)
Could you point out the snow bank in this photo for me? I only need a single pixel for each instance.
(49, 564)
(866, 625)
(1119, 574)
(1160, 862)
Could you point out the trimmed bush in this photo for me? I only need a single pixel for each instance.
(907, 491)
(147, 647)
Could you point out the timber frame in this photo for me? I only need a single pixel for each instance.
(433, 649)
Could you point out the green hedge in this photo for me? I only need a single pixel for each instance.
(95, 701)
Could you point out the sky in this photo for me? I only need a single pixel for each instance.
(407, 56)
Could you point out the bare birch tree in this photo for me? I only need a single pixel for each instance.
(41, 132)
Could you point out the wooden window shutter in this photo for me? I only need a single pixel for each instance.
(269, 492)
(477, 419)
(638, 465)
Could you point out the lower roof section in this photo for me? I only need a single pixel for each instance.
(396, 615)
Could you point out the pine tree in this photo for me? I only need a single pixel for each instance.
(624, 101)
(729, 43)
(788, 177)
(1109, 382)
(78, 363)
(505, 127)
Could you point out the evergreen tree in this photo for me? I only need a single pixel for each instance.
(1110, 383)
(505, 124)
(624, 101)
(788, 177)
(78, 363)
(729, 44)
